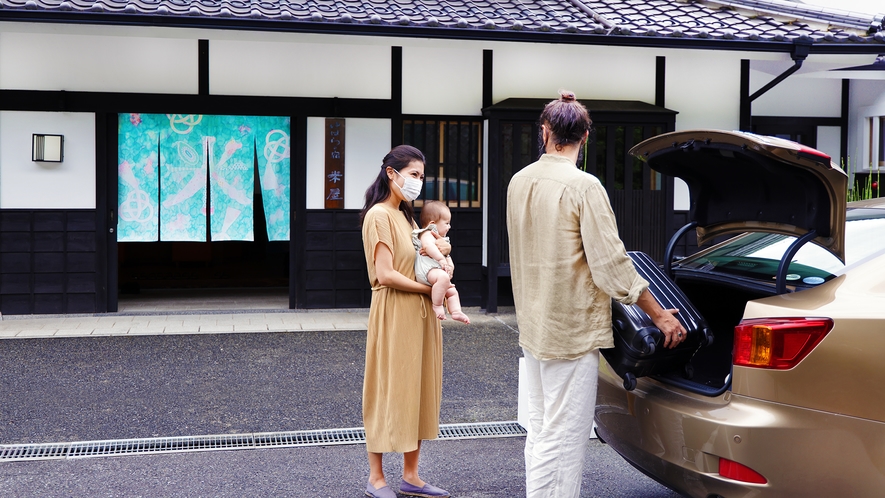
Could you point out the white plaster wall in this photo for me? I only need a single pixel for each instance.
(704, 87)
(797, 95)
(315, 162)
(829, 141)
(540, 71)
(867, 98)
(97, 63)
(25, 184)
(366, 143)
(293, 69)
(442, 80)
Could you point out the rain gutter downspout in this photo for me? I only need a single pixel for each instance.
(798, 53)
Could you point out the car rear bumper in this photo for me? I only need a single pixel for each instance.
(677, 438)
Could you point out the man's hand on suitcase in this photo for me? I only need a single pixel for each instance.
(673, 331)
(663, 319)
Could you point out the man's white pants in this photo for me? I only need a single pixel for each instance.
(561, 401)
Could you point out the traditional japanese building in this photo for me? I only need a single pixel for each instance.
(160, 144)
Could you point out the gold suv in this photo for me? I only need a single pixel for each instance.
(789, 400)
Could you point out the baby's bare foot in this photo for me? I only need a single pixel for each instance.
(460, 317)
(440, 311)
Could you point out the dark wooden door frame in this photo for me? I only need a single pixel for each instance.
(106, 153)
(528, 110)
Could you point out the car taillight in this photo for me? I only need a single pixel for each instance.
(738, 472)
(777, 343)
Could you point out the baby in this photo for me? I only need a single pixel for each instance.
(435, 269)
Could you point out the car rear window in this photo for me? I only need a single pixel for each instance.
(757, 255)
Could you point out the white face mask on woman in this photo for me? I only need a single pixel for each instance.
(411, 188)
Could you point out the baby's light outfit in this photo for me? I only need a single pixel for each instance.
(423, 264)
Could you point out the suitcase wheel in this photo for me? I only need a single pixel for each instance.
(629, 381)
(648, 348)
(689, 371)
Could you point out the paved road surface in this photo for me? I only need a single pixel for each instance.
(76, 389)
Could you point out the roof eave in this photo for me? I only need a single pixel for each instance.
(434, 32)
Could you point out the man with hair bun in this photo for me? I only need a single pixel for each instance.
(566, 264)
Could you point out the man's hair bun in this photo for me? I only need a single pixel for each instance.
(567, 96)
(567, 119)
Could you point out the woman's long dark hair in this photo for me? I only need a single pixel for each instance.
(398, 158)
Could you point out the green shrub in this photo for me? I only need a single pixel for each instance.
(864, 190)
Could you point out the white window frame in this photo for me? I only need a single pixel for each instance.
(870, 140)
(874, 142)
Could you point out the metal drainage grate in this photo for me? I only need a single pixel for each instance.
(310, 438)
(328, 437)
(476, 431)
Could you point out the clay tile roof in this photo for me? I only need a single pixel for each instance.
(777, 20)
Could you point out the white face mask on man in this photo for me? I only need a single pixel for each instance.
(411, 188)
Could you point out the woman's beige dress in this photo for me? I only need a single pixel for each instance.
(403, 382)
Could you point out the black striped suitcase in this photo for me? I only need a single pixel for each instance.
(639, 346)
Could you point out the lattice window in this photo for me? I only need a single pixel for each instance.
(453, 150)
(607, 147)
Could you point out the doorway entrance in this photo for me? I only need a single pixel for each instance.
(203, 212)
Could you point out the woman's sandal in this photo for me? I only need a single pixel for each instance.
(426, 491)
(383, 492)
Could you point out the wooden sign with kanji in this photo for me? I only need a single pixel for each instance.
(334, 164)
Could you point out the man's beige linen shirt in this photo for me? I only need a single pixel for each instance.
(566, 260)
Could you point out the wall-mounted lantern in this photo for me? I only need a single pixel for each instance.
(47, 148)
